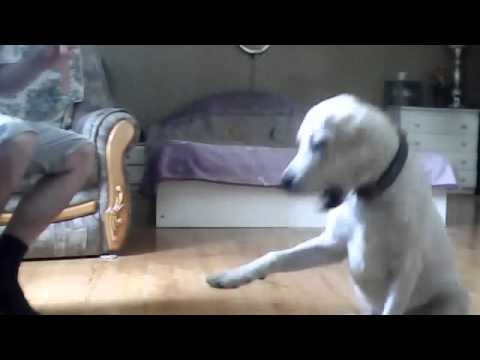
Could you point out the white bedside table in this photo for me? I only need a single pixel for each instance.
(452, 133)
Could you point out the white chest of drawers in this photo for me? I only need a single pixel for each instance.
(452, 133)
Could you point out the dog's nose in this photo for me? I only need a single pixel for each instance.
(288, 182)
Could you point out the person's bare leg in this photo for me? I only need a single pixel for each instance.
(51, 196)
(15, 157)
(32, 215)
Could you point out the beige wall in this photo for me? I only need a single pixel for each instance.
(153, 80)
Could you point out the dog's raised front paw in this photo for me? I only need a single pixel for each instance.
(229, 280)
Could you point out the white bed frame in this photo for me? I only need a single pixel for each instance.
(198, 204)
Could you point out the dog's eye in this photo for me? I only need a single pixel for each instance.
(318, 145)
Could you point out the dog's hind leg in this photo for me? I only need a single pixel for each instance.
(317, 252)
(448, 303)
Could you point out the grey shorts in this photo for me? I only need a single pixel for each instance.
(54, 144)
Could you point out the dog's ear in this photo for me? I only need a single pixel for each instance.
(355, 129)
(349, 126)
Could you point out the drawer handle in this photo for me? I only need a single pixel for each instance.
(464, 127)
(417, 143)
(464, 144)
(464, 162)
(417, 126)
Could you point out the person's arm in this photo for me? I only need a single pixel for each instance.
(14, 77)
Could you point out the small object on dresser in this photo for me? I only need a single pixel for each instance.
(457, 92)
(442, 90)
(402, 92)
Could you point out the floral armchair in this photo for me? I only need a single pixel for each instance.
(98, 217)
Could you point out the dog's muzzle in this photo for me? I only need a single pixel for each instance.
(289, 183)
(333, 197)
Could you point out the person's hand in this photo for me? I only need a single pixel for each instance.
(58, 57)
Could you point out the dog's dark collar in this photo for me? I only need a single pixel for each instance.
(370, 191)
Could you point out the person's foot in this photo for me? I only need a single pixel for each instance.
(13, 301)
(12, 298)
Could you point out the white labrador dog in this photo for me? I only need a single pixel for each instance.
(400, 257)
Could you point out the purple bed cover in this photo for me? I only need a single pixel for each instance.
(246, 165)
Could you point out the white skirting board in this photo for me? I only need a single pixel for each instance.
(197, 204)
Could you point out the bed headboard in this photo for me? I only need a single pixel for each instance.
(240, 117)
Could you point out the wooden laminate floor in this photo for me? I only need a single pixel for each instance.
(163, 272)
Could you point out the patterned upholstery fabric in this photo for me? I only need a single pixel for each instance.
(95, 118)
(50, 96)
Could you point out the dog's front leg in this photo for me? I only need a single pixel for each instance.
(317, 252)
(403, 285)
